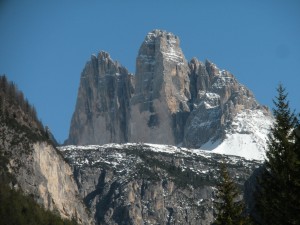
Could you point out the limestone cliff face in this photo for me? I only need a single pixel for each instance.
(102, 107)
(31, 163)
(40, 171)
(162, 90)
(50, 179)
(151, 184)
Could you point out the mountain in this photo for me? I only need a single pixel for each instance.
(159, 106)
(103, 103)
(30, 163)
(109, 184)
(168, 101)
(152, 184)
(143, 148)
(217, 99)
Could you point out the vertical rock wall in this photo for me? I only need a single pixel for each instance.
(162, 90)
(102, 107)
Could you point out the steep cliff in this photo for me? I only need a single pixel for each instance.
(151, 184)
(160, 103)
(34, 165)
(168, 101)
(102, 108)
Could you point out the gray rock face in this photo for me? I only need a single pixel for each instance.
(168, 101)
(102, 108)
(217, 97)
(151, 184)
(159, 105)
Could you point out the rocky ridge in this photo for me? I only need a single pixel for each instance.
(168, 100)
(151, 184)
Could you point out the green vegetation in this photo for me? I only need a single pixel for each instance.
(17, 209)
(278, 193)
(17, 113)
(13, 104)
(230, 210)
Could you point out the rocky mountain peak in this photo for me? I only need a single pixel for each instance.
(217, 98)
(105, 59)
(162, 42)
(102, 107)
(103, 55)
(155, 34)
(168, 101)
(161, 90)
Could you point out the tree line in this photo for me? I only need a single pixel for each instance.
(13, 102)
(18, 209)
(277, 192)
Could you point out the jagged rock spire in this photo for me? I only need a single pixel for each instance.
(102, 107)
(161, 91)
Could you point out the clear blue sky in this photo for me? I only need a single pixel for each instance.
(44, 45)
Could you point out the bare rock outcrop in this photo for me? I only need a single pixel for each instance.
(102, 108)
(160, 103)
(217, 97)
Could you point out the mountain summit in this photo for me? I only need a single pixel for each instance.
(160, 103)
(102, 109)
(168, 101)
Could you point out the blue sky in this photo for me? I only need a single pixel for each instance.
(44, 45)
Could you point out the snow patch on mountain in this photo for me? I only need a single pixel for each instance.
(115, 155)
(246, 136)
(211, 100)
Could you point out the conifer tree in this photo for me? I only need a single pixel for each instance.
(230, 209)
(295, 180)
(278, 198)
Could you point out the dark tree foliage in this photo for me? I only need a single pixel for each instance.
(12, 99)
(230, 210)
(15, 110)
(17, 209)
(278, 193)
